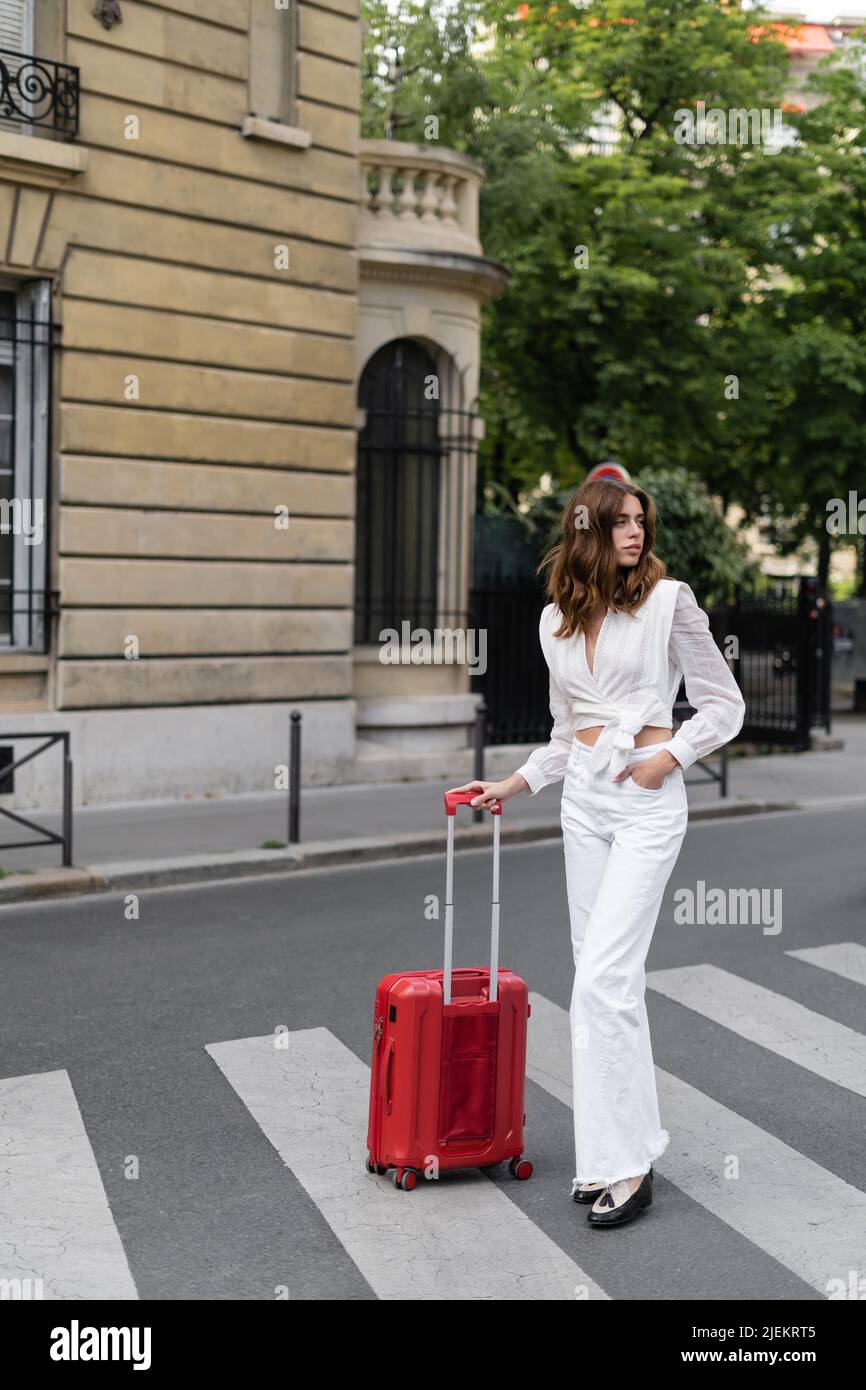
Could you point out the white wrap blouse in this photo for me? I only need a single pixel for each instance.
(640, 659)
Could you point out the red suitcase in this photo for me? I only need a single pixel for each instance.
(449, 1057)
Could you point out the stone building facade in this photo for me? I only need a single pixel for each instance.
(199, 259)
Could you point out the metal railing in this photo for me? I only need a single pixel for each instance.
(782, 668)
(7, 772)
(39, 92)
(34, 611)
(784, 644)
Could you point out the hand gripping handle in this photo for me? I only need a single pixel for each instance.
(455, 799)
(452, 801)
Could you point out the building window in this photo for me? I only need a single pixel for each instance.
(16, 42)
(415, 489)
(273, 85)
(16, 26)
(37, 93)
(25, 376)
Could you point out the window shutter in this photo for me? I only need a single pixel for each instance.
(16, 29)
(16, 36)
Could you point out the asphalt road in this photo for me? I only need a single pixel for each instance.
(127, 1008)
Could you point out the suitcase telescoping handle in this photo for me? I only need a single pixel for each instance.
(452, 801)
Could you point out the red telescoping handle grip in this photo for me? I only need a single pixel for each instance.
(455, 799)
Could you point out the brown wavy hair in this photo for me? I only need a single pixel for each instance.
(583, 566)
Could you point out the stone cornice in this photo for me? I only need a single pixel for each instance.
(476, 274)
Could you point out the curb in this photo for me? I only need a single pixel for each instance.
(199, 868)
(51, 883)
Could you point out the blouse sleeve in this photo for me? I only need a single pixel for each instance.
(710, 687)
(548, 764)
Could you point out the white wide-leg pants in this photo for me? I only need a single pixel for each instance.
(621, 842)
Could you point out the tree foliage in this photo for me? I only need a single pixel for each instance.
(671, 305)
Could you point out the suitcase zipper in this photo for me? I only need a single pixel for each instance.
(378, 1028)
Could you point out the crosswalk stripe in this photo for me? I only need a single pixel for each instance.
(811, 1040)
(461, 1239)
(845, 958)
(805, 1217)
(55, 1222)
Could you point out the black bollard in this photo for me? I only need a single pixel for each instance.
(67, 803)
(295, 778)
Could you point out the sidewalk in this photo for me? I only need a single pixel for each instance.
(152, 843)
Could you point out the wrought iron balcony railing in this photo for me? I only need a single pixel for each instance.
(38, 92)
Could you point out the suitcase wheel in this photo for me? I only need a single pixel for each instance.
(373, 1167)
(520, 1168)
(406, 1178)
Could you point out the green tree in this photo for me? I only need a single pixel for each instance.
(692, 537)
(715, 320)
(810, 323)
(418, 63)
(628, 350)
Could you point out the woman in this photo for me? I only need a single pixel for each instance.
(617, 637)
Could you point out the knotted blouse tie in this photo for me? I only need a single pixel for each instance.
(616, 741)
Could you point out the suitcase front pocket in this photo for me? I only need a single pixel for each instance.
(467, 1094)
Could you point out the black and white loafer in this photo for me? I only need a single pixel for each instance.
(616, 1205)
(586, 1192)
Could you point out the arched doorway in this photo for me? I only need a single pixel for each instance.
(415, 487)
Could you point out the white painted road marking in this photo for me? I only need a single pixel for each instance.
(811, 1040)
(461, 1238)
(805, 1217)
(55, 1221)
(845, 958)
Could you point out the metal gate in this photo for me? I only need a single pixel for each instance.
(515, 686)
(783, 666)
(415, 492)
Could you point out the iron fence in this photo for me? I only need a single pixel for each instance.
(784, 646)
(8, 768)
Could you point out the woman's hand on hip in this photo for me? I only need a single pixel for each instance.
(650, 774)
